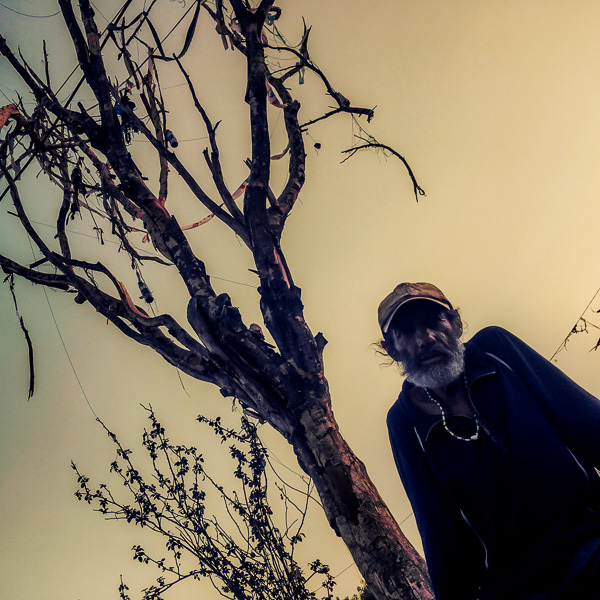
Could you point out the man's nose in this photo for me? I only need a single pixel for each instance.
(424, 337)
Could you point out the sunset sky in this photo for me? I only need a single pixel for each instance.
(496, 106)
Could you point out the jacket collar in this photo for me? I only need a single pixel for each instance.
(477, 364)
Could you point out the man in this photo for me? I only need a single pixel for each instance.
(497, 452)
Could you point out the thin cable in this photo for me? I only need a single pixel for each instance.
(231, 281)
(26, 15)
(76, 232)
(183, 386)
(166, 36)
(2, 92)
(352, 564)
(142, 250)
(406, 518)
(307, 494)
(62, 341)
(99, 12)
(344, 570)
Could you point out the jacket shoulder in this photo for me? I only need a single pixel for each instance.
(491, 334)
(397, 417)
(395, 410)
(495, 339)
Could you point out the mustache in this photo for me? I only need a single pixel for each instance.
(432, 352)
(438, 373)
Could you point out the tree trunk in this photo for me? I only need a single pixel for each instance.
(386, 559)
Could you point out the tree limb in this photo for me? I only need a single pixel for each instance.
(214, 162)
(418, 190)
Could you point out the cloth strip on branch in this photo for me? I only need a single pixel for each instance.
(282, 154)
(241, 189)
(198, 223)
(273, 14)
(129, 301)
(188, 37)
(282, 267)
(27, 339)
(136, 229)
(171, 139)
(145, 291)
(273, 98)
(245, 183)
(6, 112)
(235, 26)
(301, 73)
(206, 219)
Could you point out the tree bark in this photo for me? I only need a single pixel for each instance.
(386, 559)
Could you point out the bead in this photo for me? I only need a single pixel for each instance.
(475, 436)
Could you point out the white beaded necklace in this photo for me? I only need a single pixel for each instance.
(454, 435)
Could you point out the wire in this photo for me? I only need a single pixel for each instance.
(76, 232)
(344, 570)
(62, 341)
(26, 15)
(2, 92)
(99, 12)
(56, 120)
(181, 381)
(410, 514)
(141, 249)
(231, 281)
(352, 564)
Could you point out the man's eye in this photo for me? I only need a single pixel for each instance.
(404, 330)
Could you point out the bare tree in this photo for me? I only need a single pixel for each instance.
(85, 152)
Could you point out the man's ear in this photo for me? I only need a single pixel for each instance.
(457, 324)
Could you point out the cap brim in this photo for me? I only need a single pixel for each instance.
(388, 321)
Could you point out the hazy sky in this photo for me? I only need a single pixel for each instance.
(494, 104)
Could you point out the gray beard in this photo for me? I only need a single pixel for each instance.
(438, 375)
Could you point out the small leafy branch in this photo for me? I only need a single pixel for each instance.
(363, 593)
(244, 554)
(582, 325)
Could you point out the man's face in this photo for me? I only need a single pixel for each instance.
(428, 346)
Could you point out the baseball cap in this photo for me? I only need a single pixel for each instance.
(405, 292)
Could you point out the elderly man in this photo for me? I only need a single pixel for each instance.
(497, 451)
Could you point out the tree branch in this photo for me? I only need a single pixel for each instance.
(191, 182)
(297, 161)
(418, 190)
(47, 279)
(214, 162)
(344, 104)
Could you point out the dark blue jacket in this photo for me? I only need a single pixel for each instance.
(516, 506)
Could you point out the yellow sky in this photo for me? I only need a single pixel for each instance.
(495, 105)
